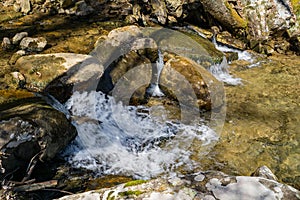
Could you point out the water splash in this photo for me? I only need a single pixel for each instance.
(242, 55)
(114, 139)
(221, 72)
(154, 89)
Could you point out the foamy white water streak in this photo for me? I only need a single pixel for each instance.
(114, 139)
(221, 72)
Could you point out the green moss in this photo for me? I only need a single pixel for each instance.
(240, 21)
(109, 197)
(135, 182)
(296, 6)
(131, 193)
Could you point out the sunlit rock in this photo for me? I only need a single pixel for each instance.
(6, 44)
(265, 172)
(211, 186)
(18, 37)
(33, 44)
(58, 73)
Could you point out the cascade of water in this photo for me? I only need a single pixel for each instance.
(242, 55)
(221, 72)
(155, 90)
(114, 139)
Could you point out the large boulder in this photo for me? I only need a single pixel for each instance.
(255, 21)
(30, 128)
(58, 73)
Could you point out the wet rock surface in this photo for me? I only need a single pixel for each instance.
(31, 129)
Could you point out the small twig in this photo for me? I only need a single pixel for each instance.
(57, 190)
(35, 186)
(22, 183)
(31, 167)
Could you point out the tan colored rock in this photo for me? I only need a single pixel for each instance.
(59, 73)
(18, 37)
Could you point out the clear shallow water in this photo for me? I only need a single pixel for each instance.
(114, 139)
(221, 72)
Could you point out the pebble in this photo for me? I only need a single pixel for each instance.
(18, 37)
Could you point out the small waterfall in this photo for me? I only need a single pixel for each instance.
(154, 89)
(117, 139)
(221, 72)
(242, 55)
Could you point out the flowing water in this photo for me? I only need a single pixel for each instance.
(154, 90)
(221, 72)
(115, 139)
(261, 127)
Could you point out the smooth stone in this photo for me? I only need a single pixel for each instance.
(33, 44)
(18, 37)
(6, 44)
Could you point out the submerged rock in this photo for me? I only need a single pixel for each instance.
(31, 128)
(210, 185)
(33, 44)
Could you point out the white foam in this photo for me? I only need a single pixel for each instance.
(242, 55)
(114, 139)
(221, 72)
(159, 65)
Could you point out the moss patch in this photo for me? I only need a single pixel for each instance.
(131, 193)
(135, 182)
(11, 95)
(240, 21)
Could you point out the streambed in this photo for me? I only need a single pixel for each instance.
(263, 116)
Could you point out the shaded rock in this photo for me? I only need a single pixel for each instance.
(30, 127)
(204, 185)
(65, 3)
(18, 37)
(6, 44)
(59, 74)
(33, 44)
(82, 9)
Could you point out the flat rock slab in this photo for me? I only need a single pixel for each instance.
(58, 72)
(209, 185)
